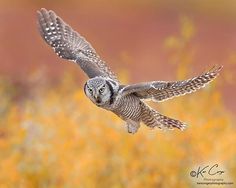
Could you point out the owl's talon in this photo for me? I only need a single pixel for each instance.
(132, 126)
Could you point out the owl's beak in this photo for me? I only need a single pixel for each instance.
(98, 99)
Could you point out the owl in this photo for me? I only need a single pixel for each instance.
(103, 87)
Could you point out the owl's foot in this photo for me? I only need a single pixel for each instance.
(132, 126)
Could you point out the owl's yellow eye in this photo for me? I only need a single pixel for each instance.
(102, 89)
(90, 90)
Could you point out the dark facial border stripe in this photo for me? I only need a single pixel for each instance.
(112, 92)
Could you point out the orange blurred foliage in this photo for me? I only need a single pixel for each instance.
(58, 138)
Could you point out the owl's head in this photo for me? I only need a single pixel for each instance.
(98, 90)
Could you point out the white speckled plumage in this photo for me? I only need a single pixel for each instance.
(103, 87)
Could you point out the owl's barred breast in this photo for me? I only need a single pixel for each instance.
(128, 107)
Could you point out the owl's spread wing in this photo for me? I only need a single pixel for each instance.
(162, 90)
(70, 45)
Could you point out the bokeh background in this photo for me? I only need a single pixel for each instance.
(51, 135)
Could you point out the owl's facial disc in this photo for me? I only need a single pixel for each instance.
(97, 91)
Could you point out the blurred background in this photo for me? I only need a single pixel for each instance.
(51, 135)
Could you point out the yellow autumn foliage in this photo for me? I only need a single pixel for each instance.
(58, 138)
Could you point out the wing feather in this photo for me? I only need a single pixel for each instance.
(162, 90)
(70, 45)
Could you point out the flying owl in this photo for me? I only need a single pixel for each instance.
(104, 89)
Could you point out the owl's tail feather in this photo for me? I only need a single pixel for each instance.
(152, 119)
